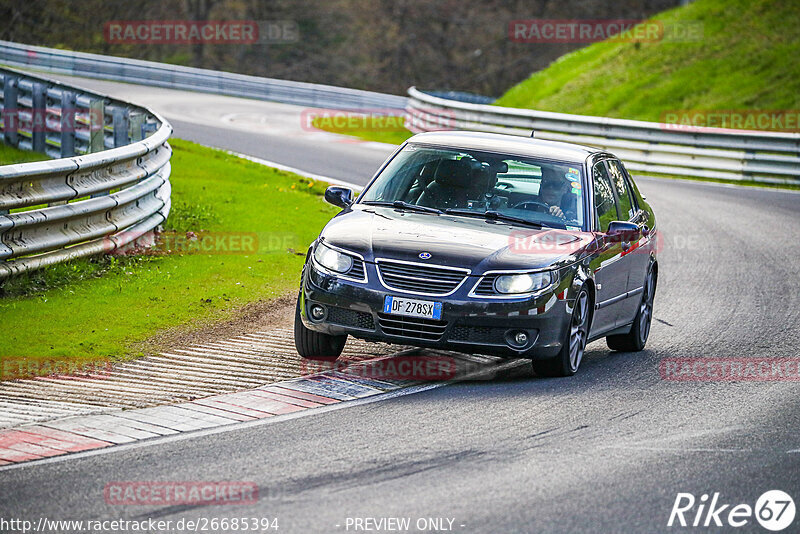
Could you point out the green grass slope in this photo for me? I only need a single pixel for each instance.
(747, 59)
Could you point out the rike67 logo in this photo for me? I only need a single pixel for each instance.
(774, 511)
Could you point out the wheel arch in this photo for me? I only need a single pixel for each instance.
(583, 277)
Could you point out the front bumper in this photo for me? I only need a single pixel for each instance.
(468, 324)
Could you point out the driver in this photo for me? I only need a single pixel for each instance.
(552, 191)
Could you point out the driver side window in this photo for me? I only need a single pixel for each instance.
(605, 206)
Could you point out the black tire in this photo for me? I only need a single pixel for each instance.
(568, 360)
(635, 340)
(313, 345)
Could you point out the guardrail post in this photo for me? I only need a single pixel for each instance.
(136, 126)
(746, 174)
(39, 117)
(97, 126)
(10, 111)
(121, 125)
(67, 124)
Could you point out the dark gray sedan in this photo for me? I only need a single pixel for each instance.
(485, 243)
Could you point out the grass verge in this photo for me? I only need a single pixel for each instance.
(382, 129)
(10, 155)
(247, 227)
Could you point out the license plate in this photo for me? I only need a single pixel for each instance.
(412, 307)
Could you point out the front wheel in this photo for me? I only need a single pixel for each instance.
(568, 360)
(635, 340)
(313, 345)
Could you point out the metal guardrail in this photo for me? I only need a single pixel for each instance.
(109, 188)
(194, 79)
(768, 157)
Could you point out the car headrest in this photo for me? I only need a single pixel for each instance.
(500, 167)
(428, 170)
(453, 172)
(550, 174)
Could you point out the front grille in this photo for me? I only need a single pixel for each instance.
(481, 335)
(486, 285)
(345, 317)
(412, 327)
(420, 278)
(357, 270)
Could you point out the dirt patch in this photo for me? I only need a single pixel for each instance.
(263, 315)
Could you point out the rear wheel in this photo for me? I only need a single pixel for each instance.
(568, 360)
(313, 345)
(635, 340)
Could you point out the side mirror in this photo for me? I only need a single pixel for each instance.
(623, 231)
(339, 196)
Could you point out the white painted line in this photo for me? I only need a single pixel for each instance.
(674, 449)
(779, 190)
(153, 419)
(295, 170)
(378, 145)
(77, 426)
(181, 415)
(233, 416)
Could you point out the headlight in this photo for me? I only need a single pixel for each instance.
(523, 283)
(332, 259)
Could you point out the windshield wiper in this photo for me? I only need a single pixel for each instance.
(400, 204)
(495, 216)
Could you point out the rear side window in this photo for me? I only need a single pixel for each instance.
(603, 197)
(638, 201)
(624, 194)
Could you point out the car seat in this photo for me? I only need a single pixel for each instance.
(449, 187)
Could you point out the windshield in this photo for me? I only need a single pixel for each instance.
(538, 191)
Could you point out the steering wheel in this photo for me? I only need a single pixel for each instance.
(537, 206)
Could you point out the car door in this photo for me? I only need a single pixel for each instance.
(637, 276)
(635, 252)
(611, 276)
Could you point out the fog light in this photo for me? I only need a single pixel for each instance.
(317, 312)
(518, 339)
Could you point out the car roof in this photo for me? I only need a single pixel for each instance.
(511, 144)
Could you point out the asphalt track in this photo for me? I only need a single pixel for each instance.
(604, 451)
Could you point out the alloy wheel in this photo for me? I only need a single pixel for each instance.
(578, 332)
(646, 308)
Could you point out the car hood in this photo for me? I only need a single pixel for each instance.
(457, 241)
